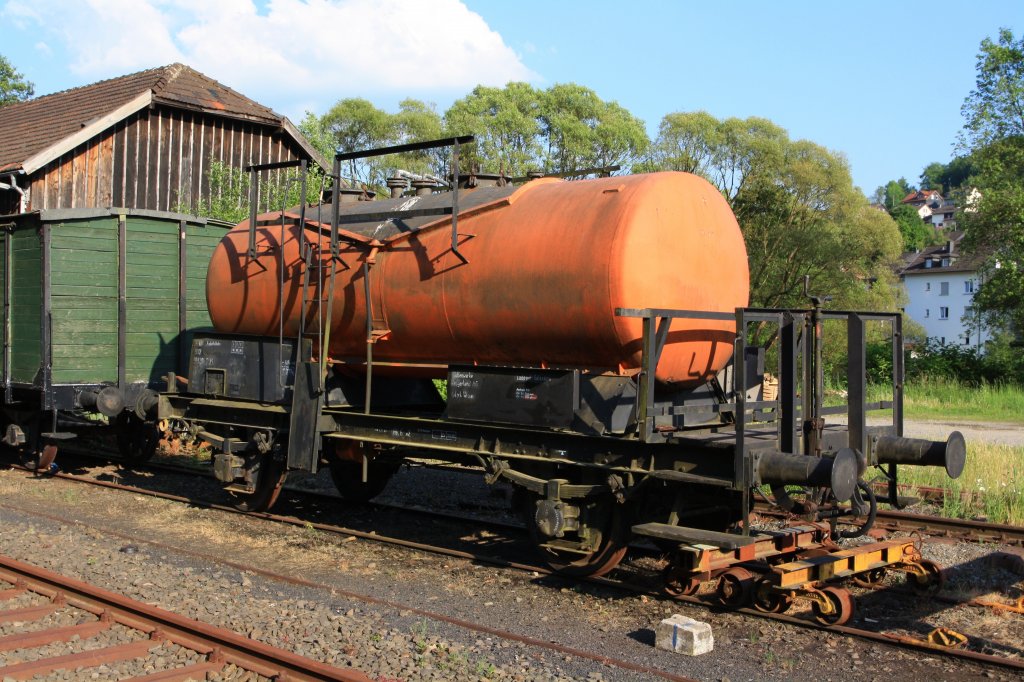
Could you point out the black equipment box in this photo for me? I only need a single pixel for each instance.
(529, 397)
(246, 367)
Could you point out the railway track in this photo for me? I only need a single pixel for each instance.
(36, 604)
(706, 601)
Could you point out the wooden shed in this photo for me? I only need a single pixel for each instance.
(142, 141)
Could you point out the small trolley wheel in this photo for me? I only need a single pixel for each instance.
(768, 600)
(677, 583)
(734, 587)
(842, 606)
(932, 580)
(869, 579)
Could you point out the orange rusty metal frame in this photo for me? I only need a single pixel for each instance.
(899, 554)
(707, 560)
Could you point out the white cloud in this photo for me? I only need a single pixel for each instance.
(43, 48)
(323, 49)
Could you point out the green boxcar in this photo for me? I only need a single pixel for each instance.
(98, 298)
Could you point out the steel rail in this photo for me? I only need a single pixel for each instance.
(221, 646)
(293, 580)
(705, 602)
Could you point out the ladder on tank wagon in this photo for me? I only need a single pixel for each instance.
(310, 374)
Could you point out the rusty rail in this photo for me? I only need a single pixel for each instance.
(220, 647)
(882, 637)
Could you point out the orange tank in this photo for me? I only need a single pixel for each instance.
(549, 263)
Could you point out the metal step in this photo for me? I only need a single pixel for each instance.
(693, 536)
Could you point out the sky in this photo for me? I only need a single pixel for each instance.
(882, 82)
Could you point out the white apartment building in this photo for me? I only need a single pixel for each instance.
(940, 286)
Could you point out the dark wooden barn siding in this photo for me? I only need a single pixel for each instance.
(157, 159)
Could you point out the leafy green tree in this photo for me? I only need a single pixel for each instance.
(994, 134)
(579, 130)
(956, 173)
(356, 125)
(994, 110)
(13, 86)
(892, 193)
(797, 206)
(931, 176)
(916, 234)
(506, 124)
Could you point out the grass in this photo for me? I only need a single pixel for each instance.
(991, 486)
(950, 399)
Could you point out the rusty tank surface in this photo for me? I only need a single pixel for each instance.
(549, 263)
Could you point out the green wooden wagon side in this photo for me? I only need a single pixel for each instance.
(100, 305)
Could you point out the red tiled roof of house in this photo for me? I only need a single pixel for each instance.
(27, 128)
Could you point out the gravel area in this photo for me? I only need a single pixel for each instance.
(362, 610)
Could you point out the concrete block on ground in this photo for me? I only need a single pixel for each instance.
(684, 635)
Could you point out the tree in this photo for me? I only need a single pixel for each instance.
(931, 176)
(13, 86)
(356, 125)
(913, 230)
(994, 110)
(994, 134)
(579, 130)
(892, 193)
(796, 205)
(505, 123)
(563, 129)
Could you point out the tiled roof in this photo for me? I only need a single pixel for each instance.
(27, 128)
(914, 263)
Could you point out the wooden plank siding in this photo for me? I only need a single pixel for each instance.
(83, 300)
(26, 297)
(157, 159)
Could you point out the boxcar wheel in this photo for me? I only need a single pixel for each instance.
(269, 481)
(348, 478)
(569, 555)
(136, 439)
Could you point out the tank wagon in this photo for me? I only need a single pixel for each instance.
(595, 341)
(99, 306)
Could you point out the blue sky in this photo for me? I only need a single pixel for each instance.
(881, 82)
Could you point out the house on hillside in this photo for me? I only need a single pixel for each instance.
(141, 141)
(924, 200)
(940, 283)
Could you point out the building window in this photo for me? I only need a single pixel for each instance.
(969, 286)
(928, 263)
(927, 286)
(967, 339)
(943, 313)
(943, 288)
(927, 312)
(942, 340)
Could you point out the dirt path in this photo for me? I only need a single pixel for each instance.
(991, 432)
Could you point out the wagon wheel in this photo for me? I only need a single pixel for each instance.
(347, 472)
(842, 606)
(734, 587)
(676, 582)
(136, 439)
(574, 555)
(768, 600)
(932, 580)
(270, 478)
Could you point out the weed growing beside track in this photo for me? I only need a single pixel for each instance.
(991, 486)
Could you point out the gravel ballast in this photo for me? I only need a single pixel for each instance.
(104, 537)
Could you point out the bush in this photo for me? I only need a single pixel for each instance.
(1001, 363)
